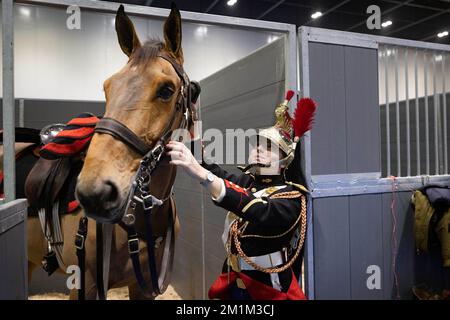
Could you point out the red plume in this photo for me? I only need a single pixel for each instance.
(304, 116)
(289, 95)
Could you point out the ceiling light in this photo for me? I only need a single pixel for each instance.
(316, 14)
(25, 12)
(201, 31)
(231, 2)
(386, 24)
(442, 34)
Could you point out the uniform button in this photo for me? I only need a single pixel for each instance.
(253, 189)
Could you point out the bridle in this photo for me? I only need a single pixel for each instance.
(139, 198)
(121, 132)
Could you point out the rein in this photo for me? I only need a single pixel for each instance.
(140, 201)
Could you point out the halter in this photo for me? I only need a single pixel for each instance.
(139, 197)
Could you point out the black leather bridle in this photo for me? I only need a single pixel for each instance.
(139, 198)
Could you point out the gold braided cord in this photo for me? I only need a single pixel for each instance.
(235, 234)
(281, 195)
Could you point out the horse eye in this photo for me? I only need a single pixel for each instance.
(165, 93)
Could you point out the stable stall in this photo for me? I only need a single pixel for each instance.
(60, 66)
(380, 133)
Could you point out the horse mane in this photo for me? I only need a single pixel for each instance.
(145, 53)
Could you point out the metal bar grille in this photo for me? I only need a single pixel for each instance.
(444, 107)
(427, 131)
(388, 132)
(408, 138)
(416, 82)
(397, 115)
(416, 77)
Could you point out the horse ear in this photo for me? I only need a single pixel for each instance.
(126, 33)
(172, 33)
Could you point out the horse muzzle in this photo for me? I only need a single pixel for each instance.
(101, 201)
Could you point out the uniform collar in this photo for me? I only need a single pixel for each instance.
(269, 180)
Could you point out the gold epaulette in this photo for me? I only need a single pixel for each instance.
(298, 186)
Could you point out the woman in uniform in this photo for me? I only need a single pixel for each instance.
(266, 222)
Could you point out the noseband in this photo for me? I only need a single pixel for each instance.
(139, 197)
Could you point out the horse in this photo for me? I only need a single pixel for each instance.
(143, 98)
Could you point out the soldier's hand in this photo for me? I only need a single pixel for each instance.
(183, 157)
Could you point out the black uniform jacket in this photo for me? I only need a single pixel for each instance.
(266, 217)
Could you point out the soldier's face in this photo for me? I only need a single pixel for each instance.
(265, 152)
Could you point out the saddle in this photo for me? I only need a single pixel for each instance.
(48, 174)
(53, 177)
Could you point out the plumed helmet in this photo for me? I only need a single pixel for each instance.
(288, 130)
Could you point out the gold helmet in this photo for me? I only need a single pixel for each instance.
(287, 130)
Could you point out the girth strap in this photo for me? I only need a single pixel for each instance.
(121, 132)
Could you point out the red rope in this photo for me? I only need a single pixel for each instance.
(394, 235)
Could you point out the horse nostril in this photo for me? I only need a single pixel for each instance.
(102, 196)
(110, 195)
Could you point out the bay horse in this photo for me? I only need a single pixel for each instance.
(126, 165)
(143, 99)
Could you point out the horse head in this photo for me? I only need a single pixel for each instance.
(143, 97)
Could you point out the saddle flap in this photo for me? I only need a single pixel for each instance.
(45, 181)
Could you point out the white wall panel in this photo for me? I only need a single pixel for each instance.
(53, 62)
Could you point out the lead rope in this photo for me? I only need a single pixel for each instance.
(235, 233)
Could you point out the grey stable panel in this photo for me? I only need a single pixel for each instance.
(346, 135)
(354, 232)
(188, 268)
(39, 113)
(366, 245)
(13, 251)
(260, 69)
(331, 248)
(362, 111)
(327, 88)
(401, 253)
(16, 115)
(254, 109)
